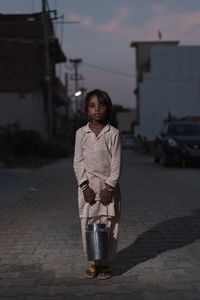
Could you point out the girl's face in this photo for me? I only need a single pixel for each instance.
(97, 111)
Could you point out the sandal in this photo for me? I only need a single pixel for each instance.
(91, 272)
(105, 272)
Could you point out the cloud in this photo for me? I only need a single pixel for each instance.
(115, 24)
(85, 21)
(183, 26)
(124, 13)
(73, 17)
(159, 8)
(111, 26)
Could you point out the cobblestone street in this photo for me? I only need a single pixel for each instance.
(159, 249)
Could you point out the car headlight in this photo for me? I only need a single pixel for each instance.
(172, 143)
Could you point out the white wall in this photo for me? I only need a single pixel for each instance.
(172, 85)
(26, 109)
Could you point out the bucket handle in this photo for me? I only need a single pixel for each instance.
(87, 217)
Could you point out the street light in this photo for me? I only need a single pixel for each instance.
(78, 93)
(79, 102)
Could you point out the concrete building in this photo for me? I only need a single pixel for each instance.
(143, 57)
(167, 83)
(126, 121)
(23, 92)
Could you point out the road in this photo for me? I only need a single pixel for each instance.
(15, 184)
(159, 249)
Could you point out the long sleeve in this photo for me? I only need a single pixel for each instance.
(78, 164)
(113, 179)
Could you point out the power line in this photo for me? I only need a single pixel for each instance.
(108, 70)
(134, 76)
(171, 79)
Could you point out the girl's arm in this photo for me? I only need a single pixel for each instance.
(80, 171)
(78, 164)
(113, 179)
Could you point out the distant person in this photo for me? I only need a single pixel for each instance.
(97, 164)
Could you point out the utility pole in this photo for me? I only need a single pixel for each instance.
(83, 91)
(47, 71)
(76, 77)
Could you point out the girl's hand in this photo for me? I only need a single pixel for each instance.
(106, 196)
(89, 196)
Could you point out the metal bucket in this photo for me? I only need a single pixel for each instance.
(97, 242)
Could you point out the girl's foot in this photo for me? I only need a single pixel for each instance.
(92, 271)
(105, 272)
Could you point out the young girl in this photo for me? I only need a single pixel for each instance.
(97, 163)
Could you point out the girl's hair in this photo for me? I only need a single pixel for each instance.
(102, 97)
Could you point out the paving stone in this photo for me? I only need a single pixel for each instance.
(41, 253)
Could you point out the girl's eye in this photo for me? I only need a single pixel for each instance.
(91, 105)
(102, 105)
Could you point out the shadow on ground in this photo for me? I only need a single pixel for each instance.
(168, 235)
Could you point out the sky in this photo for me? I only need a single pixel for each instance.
(105, 30)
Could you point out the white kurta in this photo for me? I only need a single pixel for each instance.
(98, 159)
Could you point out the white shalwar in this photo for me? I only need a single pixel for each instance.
(98, 160)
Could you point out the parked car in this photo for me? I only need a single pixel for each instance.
(179, 142)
